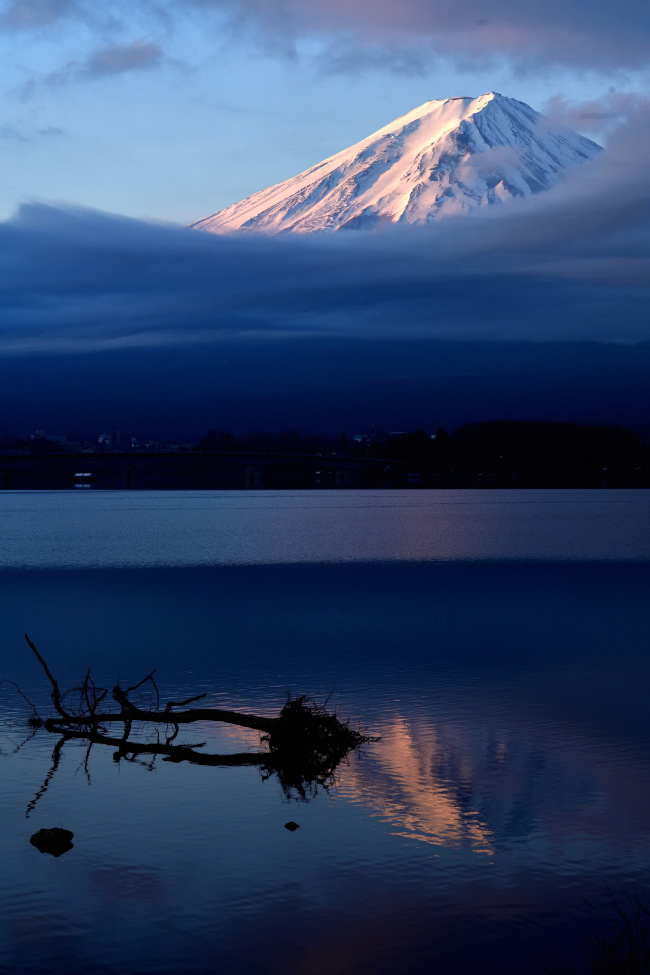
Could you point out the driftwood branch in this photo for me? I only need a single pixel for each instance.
(182, 704)
(305, 742)
(132, 713)
(143, 681)
(56, 694)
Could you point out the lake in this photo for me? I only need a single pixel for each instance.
(496, 642)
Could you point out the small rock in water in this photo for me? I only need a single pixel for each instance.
(291, 826)
(54, 841)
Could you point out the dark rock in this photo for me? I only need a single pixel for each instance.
(291, 826)
(54, 841)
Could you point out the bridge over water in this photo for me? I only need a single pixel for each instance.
(191, 470)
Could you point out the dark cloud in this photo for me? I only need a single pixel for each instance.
(598, 116)
(354, 57)
(9, 133)
(13, 133)
(30, 14)
(558, 31)
(324, 384)
(115, 59)
(122, 57)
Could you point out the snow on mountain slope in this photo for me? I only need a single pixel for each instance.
(442, 159)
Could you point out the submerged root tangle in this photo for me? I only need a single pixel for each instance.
(306, 744)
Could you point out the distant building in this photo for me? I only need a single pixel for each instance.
(60, 438)
(119, 440)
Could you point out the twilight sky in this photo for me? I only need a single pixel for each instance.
(123, 122)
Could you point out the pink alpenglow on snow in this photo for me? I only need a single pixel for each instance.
(442, 159)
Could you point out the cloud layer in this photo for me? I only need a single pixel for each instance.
(405, 33)
(554, 32)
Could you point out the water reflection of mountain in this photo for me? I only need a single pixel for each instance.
(456, 786)
(400, 779)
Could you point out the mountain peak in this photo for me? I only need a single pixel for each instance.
(445, 157)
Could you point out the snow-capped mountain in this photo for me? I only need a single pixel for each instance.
(444, 158)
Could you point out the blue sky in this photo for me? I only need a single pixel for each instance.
(122, 122)
(171, 110)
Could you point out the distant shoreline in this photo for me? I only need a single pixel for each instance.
(238, 471)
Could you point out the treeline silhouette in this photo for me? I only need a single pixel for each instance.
(287, 442)
(503, 451)
(517, 453)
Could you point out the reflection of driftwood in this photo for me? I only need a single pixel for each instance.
(171, 753)
(56, 758)
(305, 742)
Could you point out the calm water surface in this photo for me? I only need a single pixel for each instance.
(496, 641)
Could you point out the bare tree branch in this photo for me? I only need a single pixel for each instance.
(56, 694)
(35, 719)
